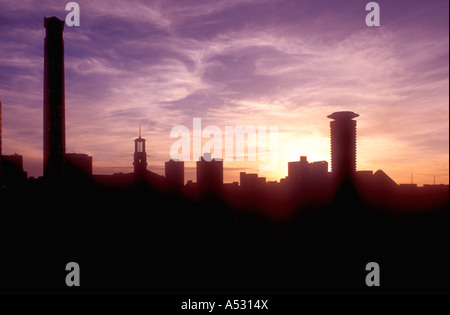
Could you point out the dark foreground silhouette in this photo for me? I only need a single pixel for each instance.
(136, 233)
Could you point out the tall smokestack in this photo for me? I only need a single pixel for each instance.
(0, 128)
(1, 162)
(54, 104)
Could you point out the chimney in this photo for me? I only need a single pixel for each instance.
(0, 128)
(54, 99)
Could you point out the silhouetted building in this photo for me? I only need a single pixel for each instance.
(251, 182)
(376, 188)
(174, 172)
(209, 173)
(54, 103)
(436, 188)
(298, 169)
(343, 143)
(231, 188)
(408, 188)
(11, 167)
(364, 178)
(78, 165)
(381, 179)
(140, 156)
(318, 168)
(302, 169)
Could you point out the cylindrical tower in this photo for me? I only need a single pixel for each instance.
(54, 98)
(343, 143)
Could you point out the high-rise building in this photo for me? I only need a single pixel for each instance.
(54, 103)
(298, 169)
(304, 170)
(174, 172)
(140, 156)
(343, 143)
(209, 173)
(251, 182)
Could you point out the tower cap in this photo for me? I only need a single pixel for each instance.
(53, 21)
(343, 115)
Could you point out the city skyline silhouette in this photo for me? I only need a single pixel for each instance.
(153, 227)
(57, 164)
(311, 178)
(260, 81)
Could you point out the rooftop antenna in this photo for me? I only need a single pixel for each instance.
(139, 131)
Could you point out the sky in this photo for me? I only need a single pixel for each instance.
(284, 63)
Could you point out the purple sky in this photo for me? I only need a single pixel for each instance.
(251, 63)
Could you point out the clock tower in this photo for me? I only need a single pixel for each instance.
(140, 156)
